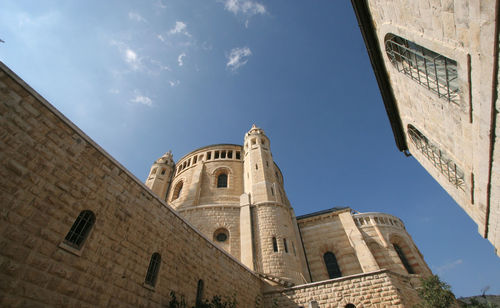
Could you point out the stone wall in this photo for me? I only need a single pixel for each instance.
(461, 31)
(51, 171)
(376, 289)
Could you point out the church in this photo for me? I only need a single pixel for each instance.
(78, 229)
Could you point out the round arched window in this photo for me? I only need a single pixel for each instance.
(221, 235)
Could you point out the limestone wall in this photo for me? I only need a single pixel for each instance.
(51, 171)
(461, 31)
(376, 289)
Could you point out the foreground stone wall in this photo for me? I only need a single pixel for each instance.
(376, 289)
(462, 31)
(50, 172)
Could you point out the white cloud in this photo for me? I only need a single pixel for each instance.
(238, 57)
(136, 17)
(245, 7)
(160, 37)
(160, 4)
(180, 27)
(174, 83)
(180, 59)
(141, 99)
(114, 91)
(448, 266)
(132, 59)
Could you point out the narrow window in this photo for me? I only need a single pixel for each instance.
(263, 142)
(199, 294)
(272, 191)
(256, 167)
(275, 245)
(216, 155)
(229, 154)
(177, 191)
(209, 155)
(267, 163)
(293, 246)
(163, 171)
(153, 172)
(285, 245)
(195, 160)
(189, 162)
(154, 267)
(437, 157)
(222, 180)
(223, 154)
(403, 259)
(433, 71)
(238, 155)
(80, 229)
(332, 266)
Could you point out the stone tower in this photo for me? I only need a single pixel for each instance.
(160, 175)
(266, 214)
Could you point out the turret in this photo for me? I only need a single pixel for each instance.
(160, 175)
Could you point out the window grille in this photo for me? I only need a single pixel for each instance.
(80, 229)
(437, 157)
(275, 245)
(154, 267)
(403, 259)
(433, 71)
(332, 266)
(222, 180)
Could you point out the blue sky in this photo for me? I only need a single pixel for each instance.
(143, 77)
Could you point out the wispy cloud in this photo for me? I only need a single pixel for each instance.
(114, 91)
(136, 17)
(160, 37)
(238, 57)
(448, 266)
(180, 59)
(159, 65)
(174, 83)
(245, 7)
(141, 99)
(129, 56)
(160, 4)
(180, 27)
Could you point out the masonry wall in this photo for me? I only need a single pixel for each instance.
(463, 31)
(376, 289)
(50, 172)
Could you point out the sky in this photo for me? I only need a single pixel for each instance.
(143, 77)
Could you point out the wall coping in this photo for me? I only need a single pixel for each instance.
(323, 282)
(4, 68)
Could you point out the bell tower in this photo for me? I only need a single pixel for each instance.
(269, 238)
(160, 175)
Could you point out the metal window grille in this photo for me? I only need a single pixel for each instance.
(80, 229)
(438, 158)
(275, 245)
(154, 266)
(433, 71)
(403, 259)
(332, 267)
(222, 180)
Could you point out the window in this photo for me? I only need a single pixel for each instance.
(275, 245)
(429, 69)
(256, 167)
(221, 235)
(177, 191)
(195, 160)
(437, 157)
(238, 155)
(350, 306)
(293, 246)
(199, 294)
(216, 155)
(332, 266)
(272, 191)
(80, 229)
(154, 267)
(285, 245)
(222, 180)
(209, 155)
(229, 154)
(403, 259)
(223, 154)
(163, 171)
(254, 142)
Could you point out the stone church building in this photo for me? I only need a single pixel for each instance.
(78, 229)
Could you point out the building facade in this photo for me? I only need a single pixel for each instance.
(436, 64)
(78, 229)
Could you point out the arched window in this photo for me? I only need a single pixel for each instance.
(177, 191)
(154, 267)
(434, 71)
(199, 293)
(403, 259)
(332, 266)
(275, 245)
(222, 180)
(437, 157)
(350, 306)
(80, 229)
